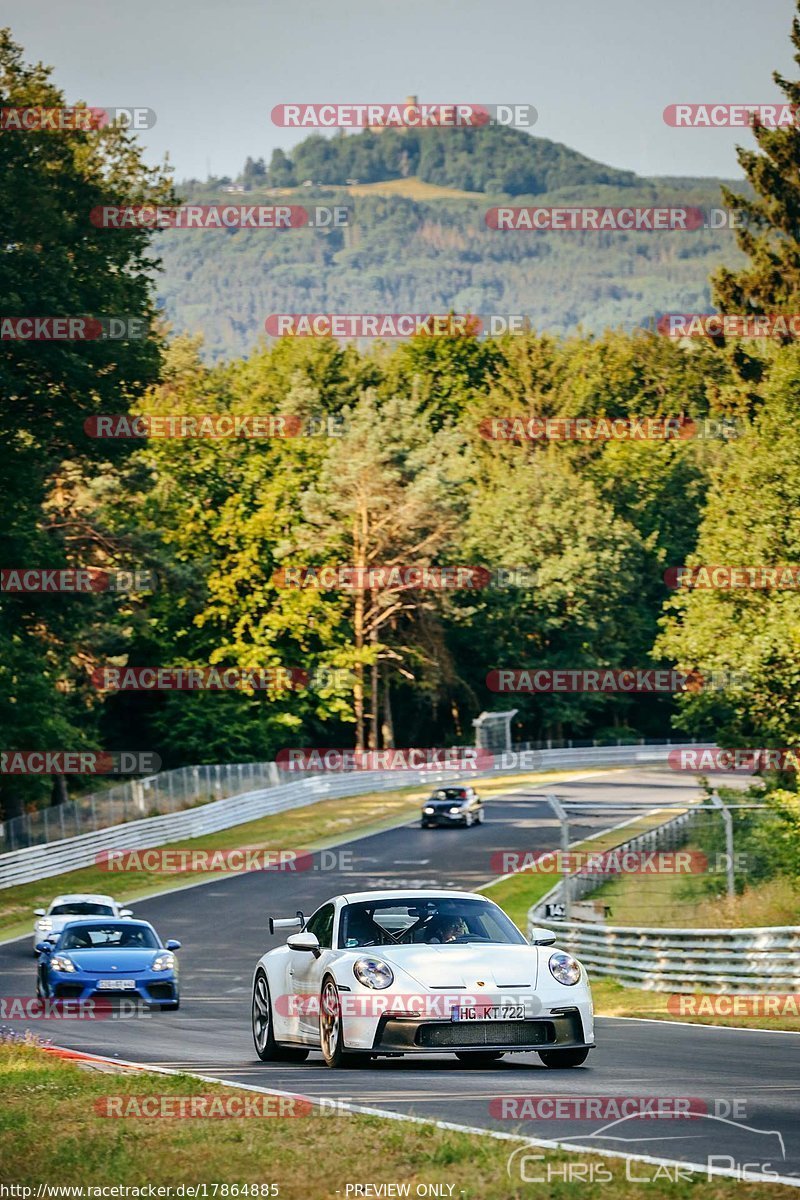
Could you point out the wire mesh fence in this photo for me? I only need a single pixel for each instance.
(173, 791)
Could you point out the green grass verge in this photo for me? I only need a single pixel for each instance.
(684, 902)
(658, 900)
(518, 892)
(611, 999)
(314, 827)
(309, 1157)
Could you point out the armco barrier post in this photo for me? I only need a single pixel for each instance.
(561, 813)
(728, 822)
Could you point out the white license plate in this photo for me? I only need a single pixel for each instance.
(489, 1012)
(117, 985)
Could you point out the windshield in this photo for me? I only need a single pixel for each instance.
(450, 794)
(82, 908)
(124, 936)
(432, 921)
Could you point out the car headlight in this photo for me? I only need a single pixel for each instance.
(373, 973)
(44, 923)
(428, 810)
(59, 962)
(164, 962)
(456, 809)
(565, 968)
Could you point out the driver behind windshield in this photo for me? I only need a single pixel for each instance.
(446, 929)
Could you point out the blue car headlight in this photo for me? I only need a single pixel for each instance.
(164, 962)
(60, 962)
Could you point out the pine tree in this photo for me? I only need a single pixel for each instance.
(769, 232)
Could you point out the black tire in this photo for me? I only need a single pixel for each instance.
(479, 1058)
(267, 1048)
(563, 1058)
(331, 1033)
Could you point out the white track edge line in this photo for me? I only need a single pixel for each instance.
(497, 1134)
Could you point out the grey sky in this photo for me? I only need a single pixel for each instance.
(599, 74)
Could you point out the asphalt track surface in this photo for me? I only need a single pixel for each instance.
(746, 1081)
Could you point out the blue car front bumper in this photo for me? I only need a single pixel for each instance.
(156, 988)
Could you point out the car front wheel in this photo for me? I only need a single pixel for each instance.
(331, 1032)
(563, 1058)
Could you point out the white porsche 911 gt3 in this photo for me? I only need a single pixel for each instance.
(400, 972)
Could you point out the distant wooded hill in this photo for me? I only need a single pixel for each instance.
(410, 248)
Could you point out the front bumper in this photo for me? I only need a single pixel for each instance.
(421, 1035)
(151, 989)
(444, 819)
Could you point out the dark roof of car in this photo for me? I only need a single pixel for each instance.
(126, 921)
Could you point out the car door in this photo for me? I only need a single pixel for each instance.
(306, 971)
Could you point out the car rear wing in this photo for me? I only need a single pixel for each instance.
(296, 922)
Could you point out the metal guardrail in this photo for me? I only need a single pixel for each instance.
(43, 862)
(669, 835)
(169, 792)
(687, 960)
(150, 796)
(763, 959)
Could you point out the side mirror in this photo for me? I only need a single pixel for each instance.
(39, 912)
(44, 947)
(173, 945)
(308, 942)
(541, 937)
(126, 912)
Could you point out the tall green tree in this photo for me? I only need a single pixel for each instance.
(56, 263)
(752, 634)
(769, 221)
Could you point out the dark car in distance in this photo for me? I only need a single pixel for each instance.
(455, 805)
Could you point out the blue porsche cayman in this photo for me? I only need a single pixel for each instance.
(95, 958)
